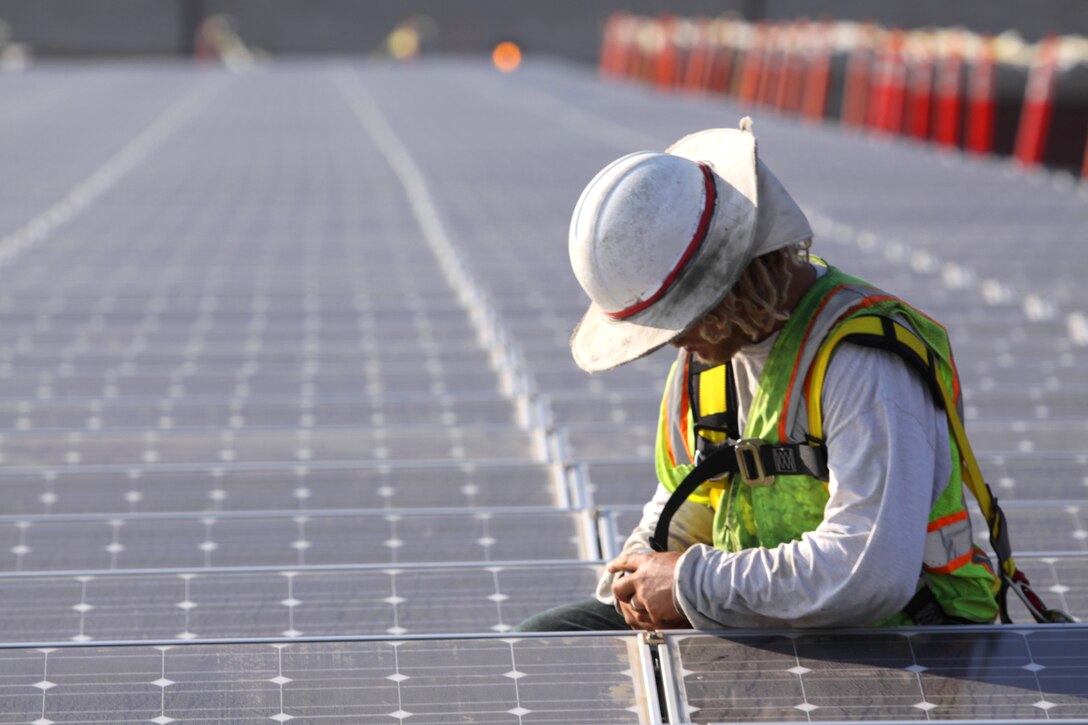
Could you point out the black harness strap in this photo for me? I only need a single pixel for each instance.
(754, 461)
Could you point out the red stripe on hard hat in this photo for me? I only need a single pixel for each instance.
(693, 246)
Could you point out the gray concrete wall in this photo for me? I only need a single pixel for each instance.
(569, 28)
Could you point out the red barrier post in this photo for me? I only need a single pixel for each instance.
(917, 106)
(981, 98)
(888, 85)
(626, 49)
(1084, 166)
(667, 63)
(1038, 104)
(856, 85)
(948, 96)
(608, 47)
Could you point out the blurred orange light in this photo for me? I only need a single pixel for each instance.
(506, 56)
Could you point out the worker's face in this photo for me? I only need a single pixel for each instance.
(711, 353)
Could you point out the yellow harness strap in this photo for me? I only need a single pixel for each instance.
(889, 334)
(712, 401)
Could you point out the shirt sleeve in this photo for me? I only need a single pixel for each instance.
(889, 459)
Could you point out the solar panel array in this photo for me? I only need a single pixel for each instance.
(289, 428)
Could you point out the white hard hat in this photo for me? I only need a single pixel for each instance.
(658, 239)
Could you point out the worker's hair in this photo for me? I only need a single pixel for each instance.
(753, 303)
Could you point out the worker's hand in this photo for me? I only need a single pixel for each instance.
(644, 592)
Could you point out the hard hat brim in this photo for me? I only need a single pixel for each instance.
(601, 343)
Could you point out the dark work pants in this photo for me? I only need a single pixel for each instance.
(586, 615)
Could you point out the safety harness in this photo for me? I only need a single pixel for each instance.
(720, 451)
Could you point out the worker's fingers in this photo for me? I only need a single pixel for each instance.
(626, 562)
(636, 618)
(623, 588)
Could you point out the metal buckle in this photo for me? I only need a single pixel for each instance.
(747, 452)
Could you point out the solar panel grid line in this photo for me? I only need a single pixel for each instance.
(274, 568)
(306, 639)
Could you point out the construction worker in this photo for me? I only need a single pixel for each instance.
(836, 495)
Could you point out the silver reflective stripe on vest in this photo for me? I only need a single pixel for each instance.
(677, 426)
(949, 547)
(837, 304)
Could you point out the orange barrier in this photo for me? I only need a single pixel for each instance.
(699, 59)
(817, 74)
(792, 79)
(723, 55)
(752, 63)
(771, 76)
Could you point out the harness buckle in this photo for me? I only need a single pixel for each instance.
(750, 464)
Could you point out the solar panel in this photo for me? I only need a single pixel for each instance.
(196, 542)
(286, 603)
(592, 679)
(1007, 674)
(408, 408)
(272, 445)
(217, 488)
